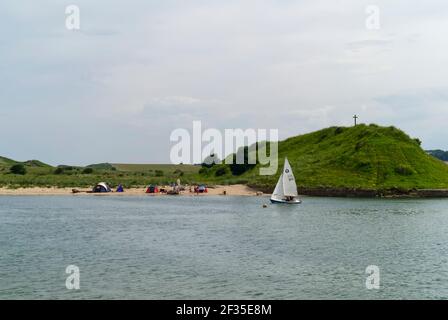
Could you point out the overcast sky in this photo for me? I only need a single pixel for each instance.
(136, 70)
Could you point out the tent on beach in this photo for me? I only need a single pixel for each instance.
(201, 189)
(101, 187)
(152, 189)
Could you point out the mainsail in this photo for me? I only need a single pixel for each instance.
(289, 182)
(278, 191)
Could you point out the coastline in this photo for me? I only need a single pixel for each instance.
(366, 193)
(230, 190)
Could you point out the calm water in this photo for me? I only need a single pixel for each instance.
(222, 247)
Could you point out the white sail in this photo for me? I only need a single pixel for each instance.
(289, 182)
(278, 191)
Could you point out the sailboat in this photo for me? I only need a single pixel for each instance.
(286, 189)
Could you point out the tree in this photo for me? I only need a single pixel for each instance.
(59, 170)
(18, 169)
(419, 142)
(222, 170)
(238, 169)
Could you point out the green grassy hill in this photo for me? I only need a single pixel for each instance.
(362, 157)
(36, 163)
(101, 166)
(6, 162)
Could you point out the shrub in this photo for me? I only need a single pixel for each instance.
(221, 171)
(179, 172)
(404, 170)
(87, 171)
(359, 145)
(59, 170)
(159, 173)
(363, 165)
(18, 169)
(418, 141)
(338, 130)
(238, 169)
(322, 137)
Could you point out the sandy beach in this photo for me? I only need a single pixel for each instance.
(230, 190)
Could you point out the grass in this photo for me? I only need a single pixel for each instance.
(6, 162)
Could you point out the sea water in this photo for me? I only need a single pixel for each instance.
(218, 247)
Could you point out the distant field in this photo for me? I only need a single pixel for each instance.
(153, 167)
(129, 175)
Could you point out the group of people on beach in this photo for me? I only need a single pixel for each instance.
(176, 189)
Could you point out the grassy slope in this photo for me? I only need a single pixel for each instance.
(362, 157)
(6, 162)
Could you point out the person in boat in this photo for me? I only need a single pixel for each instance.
(289, 198)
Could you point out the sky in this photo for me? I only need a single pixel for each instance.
(114, 90)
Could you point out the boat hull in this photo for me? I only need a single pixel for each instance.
(295, 201)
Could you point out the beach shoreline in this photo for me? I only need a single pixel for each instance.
(229, 190)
